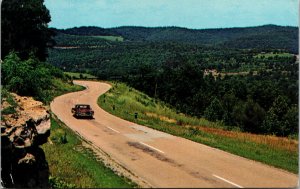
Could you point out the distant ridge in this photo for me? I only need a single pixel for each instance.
(265, 36)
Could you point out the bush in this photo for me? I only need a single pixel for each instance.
(27, 77)
(56, 182)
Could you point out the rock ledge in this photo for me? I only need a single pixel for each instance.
(23, 161)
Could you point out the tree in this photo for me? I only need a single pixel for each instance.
(281, 119)
(24, 28)
(249, 116)
(229, 100)
(290, 125)
(214, 111)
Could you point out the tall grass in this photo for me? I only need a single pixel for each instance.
(125, 102)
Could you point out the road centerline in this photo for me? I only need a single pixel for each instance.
(112, 129)
(152, 147)
(225, 180)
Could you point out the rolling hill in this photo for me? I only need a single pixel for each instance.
(168, 63)
(260, 37)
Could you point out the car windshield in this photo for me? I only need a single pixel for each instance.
(83, 106)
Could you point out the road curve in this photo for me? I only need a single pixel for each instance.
(161, 159)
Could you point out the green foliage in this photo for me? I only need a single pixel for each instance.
(291, 121)
(24, 77)
(281, 119)
(63, 139)
(24, 29)
(273, 55)
(249, 116)
(74, 41)
(88, 31)
(34, 78)
(5, 95)
(58, 183)
(117, 60)
(214, 111)
(261, 37)
(8, 110)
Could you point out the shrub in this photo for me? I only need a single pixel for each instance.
(27, 77)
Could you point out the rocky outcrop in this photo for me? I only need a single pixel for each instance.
(23, 130)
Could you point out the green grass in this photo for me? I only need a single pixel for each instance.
(110, 38)
(124, 102)
(74, 166)
(77, 75)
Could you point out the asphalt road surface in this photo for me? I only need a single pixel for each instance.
(161, 159)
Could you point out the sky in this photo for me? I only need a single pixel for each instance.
(194, 14)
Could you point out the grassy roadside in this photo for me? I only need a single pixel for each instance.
(125, 101)
(74, 166)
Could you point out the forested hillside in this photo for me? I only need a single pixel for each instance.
(267, 36)
(242, 78)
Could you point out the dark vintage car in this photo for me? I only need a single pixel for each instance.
(82, 110)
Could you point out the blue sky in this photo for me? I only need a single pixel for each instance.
(195, 14)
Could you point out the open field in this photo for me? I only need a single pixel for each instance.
(77, 75)
(125, 102)
(72, 165)
(110, 38)
(271, 54)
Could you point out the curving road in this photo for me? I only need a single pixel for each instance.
(161, 159)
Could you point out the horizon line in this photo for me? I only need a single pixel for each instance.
(174, 27)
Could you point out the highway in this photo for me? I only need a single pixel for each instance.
(160, 159)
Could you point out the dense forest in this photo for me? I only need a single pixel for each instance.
(243, 78)
(262, 37)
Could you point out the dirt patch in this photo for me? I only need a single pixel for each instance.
(162, 118)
